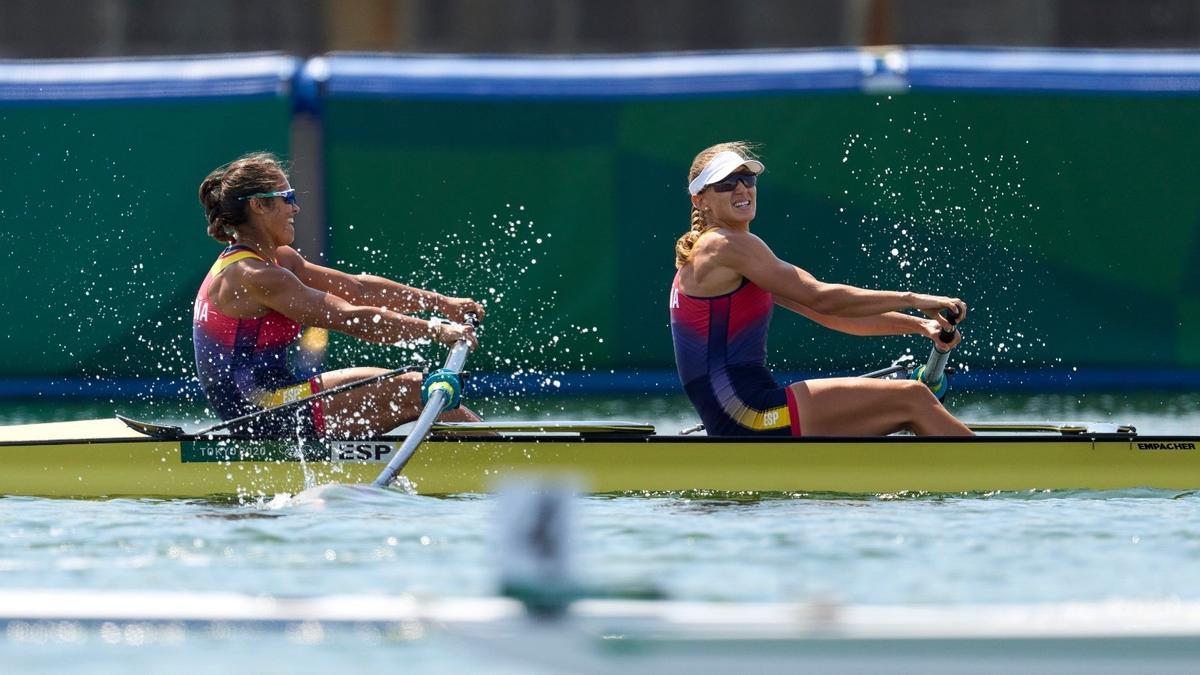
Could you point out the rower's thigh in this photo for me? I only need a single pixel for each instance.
(379, 407)
(336, 378)
(856, 406)
(394, 397)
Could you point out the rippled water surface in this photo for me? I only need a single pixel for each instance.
(878, 549)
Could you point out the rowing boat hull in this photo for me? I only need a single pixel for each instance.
(139, 466)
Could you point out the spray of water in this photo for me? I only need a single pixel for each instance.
(943, 217)
(497, 260)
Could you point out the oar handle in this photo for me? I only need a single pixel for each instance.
(947, 336)
(932, 373)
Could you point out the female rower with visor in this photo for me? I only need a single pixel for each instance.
(728, 281)
(252, 305)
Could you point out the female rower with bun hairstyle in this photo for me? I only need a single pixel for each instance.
(252, 305)
(721, 301)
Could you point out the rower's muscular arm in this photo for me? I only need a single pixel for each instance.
(888, 323)
(362, 289)
(278, 289)
(750, 257)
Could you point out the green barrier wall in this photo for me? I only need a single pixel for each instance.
(1067, 222)
(104, 240)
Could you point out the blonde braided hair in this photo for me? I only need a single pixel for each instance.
(700, 224)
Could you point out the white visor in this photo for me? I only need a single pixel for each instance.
(721, 165)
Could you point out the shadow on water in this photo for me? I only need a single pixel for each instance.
(239, 515)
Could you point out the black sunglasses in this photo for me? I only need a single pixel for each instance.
(729, 183)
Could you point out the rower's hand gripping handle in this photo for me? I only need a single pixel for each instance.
(933, 372)
(449, 379)
(947, 336)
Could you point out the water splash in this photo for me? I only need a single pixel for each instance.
(90, 256)
(523, 339)
(944, 216)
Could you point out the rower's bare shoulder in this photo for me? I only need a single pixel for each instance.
(242, 271)
(723, 242)
(712, 241)
(267, 279)
(289, 258)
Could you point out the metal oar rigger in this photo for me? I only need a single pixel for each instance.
(168, 431)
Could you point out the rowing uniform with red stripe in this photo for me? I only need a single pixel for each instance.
(243, 364)
(721, 355)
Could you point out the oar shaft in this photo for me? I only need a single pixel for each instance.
(428, 416)
(935, 365)
(458, 356)
(438, 399)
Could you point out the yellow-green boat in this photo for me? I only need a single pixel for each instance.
(109, 458)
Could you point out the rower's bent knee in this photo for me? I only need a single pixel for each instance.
(403, 383)
(916, 394)
(913, 388)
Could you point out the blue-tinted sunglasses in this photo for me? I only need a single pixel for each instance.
(729, 183)
(289, 196)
